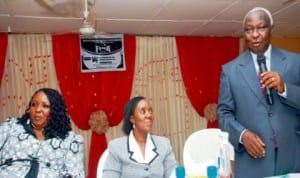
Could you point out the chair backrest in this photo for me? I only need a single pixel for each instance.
(201, 149)
(101, 164)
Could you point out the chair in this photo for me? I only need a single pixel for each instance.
(201, 149)
(101, 164)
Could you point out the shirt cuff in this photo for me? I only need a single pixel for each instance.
(283, 94)
(240, 140)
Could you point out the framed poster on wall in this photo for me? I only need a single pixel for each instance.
(102, 53)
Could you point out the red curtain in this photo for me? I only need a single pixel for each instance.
(200, 61)
(85, 93)
(3, 47)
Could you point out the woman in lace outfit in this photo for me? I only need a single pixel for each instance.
(40, 144)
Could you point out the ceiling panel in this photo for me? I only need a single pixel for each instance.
(219, 29)
(128, 9)
(164, 28)
(146, 17)
(193, 9)
(110, 26)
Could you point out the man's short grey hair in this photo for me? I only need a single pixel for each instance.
(255, 9)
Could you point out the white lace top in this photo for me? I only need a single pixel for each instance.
(56, 157)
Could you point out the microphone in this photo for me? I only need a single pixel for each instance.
(261, 60)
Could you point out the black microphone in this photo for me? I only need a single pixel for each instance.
(261, 60)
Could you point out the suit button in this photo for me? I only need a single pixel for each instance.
(270, 114)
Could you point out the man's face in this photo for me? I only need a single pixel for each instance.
(257, 32)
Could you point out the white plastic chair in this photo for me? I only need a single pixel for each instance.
(201, 149)
(101, 164)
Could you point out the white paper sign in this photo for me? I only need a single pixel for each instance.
(102, 53)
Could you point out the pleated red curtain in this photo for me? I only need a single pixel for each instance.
(3, 47)
(85, 93)
(200, 61)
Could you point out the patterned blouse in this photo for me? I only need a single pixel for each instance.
(56, 158)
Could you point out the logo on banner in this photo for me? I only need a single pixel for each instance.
(102, 53)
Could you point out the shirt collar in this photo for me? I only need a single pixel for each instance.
(267, 53)
(136, 151)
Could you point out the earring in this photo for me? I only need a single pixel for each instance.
(133, 126)
(28, 121)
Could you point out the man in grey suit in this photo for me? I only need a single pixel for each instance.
(265, 131)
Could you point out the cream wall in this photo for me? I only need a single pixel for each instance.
(290, 44)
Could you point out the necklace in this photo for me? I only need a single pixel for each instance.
(35, 128)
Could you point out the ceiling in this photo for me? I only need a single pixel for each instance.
(146, 17)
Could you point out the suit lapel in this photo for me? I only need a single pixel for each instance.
(151, 149)
(277, 61)
(248, 73)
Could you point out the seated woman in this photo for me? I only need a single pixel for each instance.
(139, 153)
(41, 143)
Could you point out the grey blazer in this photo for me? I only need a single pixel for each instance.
(120, 163)
(242, 106)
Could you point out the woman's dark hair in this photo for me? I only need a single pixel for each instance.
(59, 122)
(128, 111)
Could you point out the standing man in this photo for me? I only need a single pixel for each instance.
(261, 108)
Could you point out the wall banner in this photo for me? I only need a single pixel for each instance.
(102, 53)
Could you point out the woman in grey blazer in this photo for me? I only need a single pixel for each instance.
(264, 133)
(139, 154)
